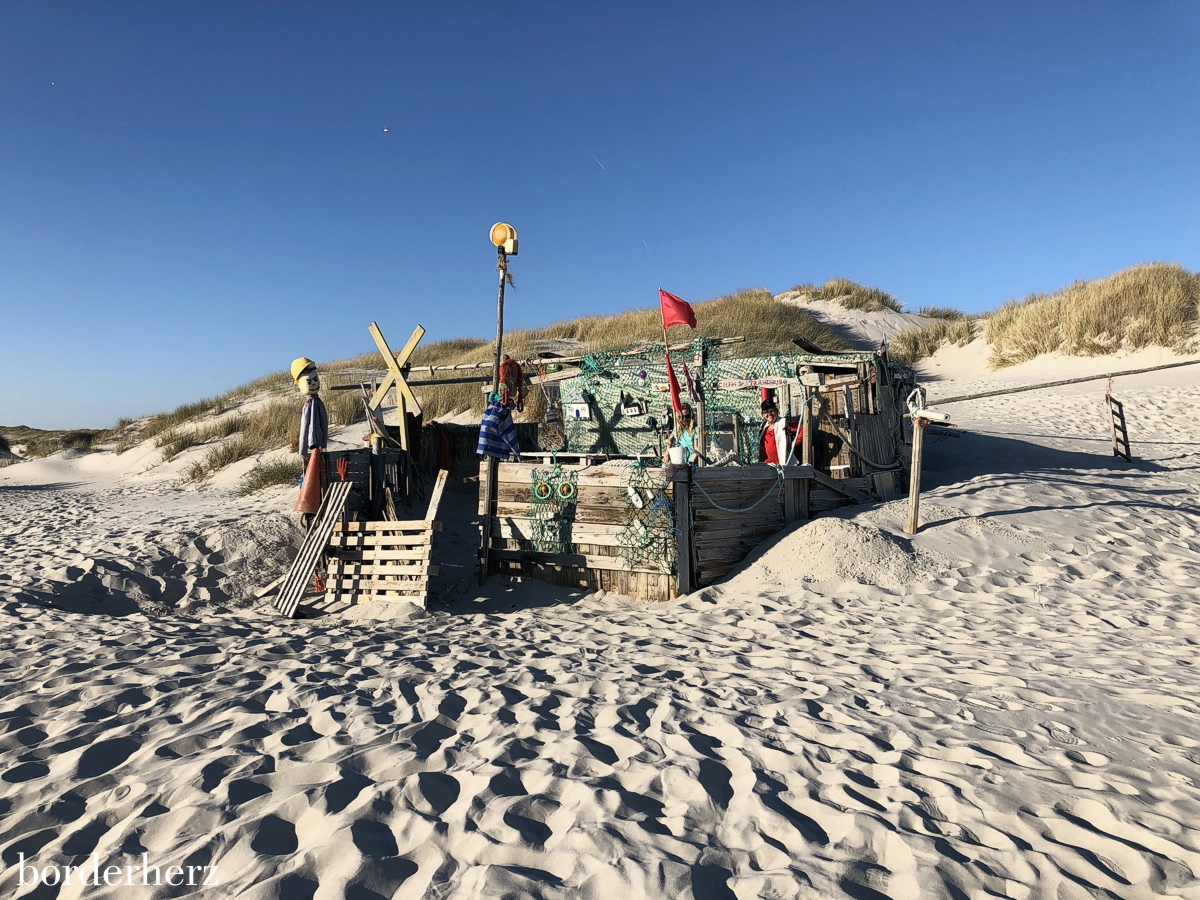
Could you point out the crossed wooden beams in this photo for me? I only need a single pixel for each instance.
(396, 363)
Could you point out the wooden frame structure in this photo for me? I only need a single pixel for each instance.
(380, 561)
(597, 521)
(719, 514)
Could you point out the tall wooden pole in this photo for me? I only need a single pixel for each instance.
(914, 482)
(667, 360)
(489, 463)
(502, 268)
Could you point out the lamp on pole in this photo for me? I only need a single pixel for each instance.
(504, 238)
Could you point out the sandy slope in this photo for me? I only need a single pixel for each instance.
(1006, 705)
(861, 330)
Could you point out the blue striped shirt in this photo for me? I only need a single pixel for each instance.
(497, 433)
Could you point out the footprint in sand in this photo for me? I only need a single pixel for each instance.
(1061, 733)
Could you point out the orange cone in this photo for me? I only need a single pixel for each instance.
(310, 492)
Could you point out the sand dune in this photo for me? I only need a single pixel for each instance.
(1007, 704)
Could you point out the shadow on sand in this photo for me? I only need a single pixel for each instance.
(981, 461)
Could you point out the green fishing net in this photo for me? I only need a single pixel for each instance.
(620, 403)
(647, 538)
(553, 494)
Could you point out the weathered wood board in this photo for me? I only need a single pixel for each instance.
(380, 561)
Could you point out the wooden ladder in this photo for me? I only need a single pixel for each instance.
(1120, 434)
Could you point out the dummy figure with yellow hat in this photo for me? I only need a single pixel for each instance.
(314, 432)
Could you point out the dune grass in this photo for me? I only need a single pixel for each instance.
(1148, 305)
(5, 447)
(175, 441)
(268, 474)
(918, 343)
(344, 407)
(850, 295)
(272, 426)
(941, 312)
(37, 442)
(188, 412)
(767, 325)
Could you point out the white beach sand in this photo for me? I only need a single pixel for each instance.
(1006, 705)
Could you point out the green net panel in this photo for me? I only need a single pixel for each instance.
(552, 509)
(647, 538)
(621, 404)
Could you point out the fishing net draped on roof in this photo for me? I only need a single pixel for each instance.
(620, 403)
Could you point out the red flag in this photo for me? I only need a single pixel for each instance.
(675, 311)
(674, 383)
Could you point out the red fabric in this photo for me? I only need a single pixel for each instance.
(675, 311)
(309, 500)
(767, 451)
(674, 383)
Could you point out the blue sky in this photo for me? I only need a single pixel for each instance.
(193, 194)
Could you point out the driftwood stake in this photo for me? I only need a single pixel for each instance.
(914, 483)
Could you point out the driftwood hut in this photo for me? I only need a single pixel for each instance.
(605, 512)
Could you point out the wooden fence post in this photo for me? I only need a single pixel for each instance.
(806, 442)
(795, 493)
(682, 479)
(914, 481)
(488, 481)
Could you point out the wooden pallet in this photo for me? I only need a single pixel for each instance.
(380, 561)
(1120, 434)
(387, 560)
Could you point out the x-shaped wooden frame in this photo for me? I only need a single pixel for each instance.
(395, 377)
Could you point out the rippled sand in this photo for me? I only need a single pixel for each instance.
(1006, 705)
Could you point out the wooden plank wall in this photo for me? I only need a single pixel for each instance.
(600, 509)
(835, 405)
(871, 433)
(721, 539)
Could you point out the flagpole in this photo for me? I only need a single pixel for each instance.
(667, 360)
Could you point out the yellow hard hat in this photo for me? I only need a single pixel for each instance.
(298, 367)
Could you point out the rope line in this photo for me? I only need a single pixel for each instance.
(938, 401)
(824, 416)
(777, 487)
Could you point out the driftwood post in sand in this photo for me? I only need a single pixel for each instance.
(914, 482)
(682, 479)
(1120, 433)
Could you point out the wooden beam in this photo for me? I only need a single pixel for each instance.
(367, 554)
(405, 525)
(259, 594)
(835, 484)
(436, 497)
(362, 585)
(914, 483)
(395, 377)
(575, 560)
(364, 569)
